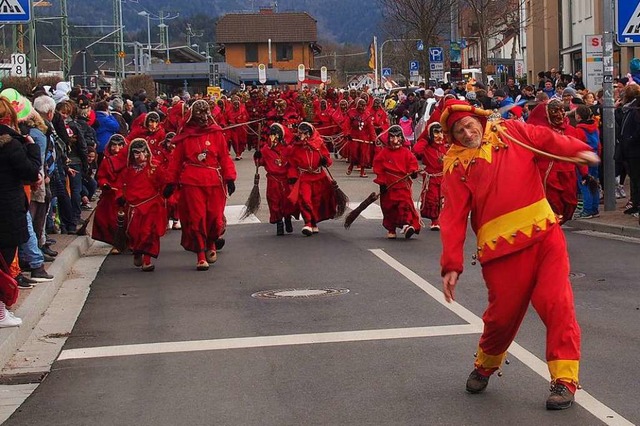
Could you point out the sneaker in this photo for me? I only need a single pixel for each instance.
(148, 267)
(211, 256)
(10, 321)
(177, 224)
(631, 210)
(561, 397)
(202, 266)
(315, 229)
(408, 231)
(48, 258)
(477, 383)
(87, 207)
(583, 215)
(435, 226)
(391, 235)
(307, 231)
(40, 275)
(24, 283)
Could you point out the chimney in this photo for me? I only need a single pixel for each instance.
(266, 11)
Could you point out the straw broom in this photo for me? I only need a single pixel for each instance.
(83, 229)
(372, 198)
(253, 202)
(341, 198)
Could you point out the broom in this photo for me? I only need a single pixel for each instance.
(341, 198)
(120, 237)
(253, 202)
(83, 229)
(353, 215)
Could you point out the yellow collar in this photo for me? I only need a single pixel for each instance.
(458, 154)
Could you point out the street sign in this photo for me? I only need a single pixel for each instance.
(262, 73)
(437, 75)
(15, 11)
(592, 65)
(436, 54)
(323, 74)
(18, 64)
(414, 66)
(386, 72)
(414, 73)
(627, 20)
(436, 66)
(301, 75)
(419, 45)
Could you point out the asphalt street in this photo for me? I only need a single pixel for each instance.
(369, 341)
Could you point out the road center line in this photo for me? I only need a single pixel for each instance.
(588, 402)
(267, 341)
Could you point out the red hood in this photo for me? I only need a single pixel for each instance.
(539, 117)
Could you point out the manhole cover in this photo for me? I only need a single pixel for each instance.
(299, 293)
(576, 275)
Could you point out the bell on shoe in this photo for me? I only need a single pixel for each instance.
(477, 382)
(561, 397)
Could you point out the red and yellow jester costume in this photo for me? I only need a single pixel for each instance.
(520, 244)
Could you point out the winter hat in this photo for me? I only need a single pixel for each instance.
(62, 91)
(569, 91)
(439, 92)
(471, 96)
(517, 111)
(20, 104)
(635, 65)
(500, 93)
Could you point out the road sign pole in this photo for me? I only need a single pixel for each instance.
(608, 121)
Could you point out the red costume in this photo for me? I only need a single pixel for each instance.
(236, 114)
(275, 161)
(520, 244)
(362, 137)
(175, 117)
(392, 164)
(313, 191)
(431, 151)
(146, 212)
(104, 219)
(201, 165)
(560, 179)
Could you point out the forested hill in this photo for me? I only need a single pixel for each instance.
(342, 21)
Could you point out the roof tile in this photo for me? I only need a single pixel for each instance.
(291, 27)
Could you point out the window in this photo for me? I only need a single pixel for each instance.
(284, 52)
(251, 52)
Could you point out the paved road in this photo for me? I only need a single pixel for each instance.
(183, 347)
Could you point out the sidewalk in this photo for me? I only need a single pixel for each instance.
(612, 222)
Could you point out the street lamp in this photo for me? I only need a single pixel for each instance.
(148, 15)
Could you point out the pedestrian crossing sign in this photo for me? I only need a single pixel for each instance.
(15, 11)
(627, 19)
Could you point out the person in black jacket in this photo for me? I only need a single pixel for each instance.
(629, 138)
(19, 163)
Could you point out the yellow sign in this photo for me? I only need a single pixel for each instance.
(214, 91)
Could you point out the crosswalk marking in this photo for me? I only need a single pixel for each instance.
(633, 26)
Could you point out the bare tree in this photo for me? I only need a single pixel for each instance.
(427, 20)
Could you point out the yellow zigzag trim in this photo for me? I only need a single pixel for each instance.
(461, 155)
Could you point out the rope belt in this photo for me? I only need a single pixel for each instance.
(313, 171)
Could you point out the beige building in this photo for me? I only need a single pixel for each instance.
(554, 33)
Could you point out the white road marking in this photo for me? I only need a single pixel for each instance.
(371, 212)
(233, 213)
(588, 402)
(267, 341)
(608, 236)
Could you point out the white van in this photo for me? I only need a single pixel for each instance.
(467, 73)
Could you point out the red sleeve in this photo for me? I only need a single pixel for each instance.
(546, 139)
(453, 222)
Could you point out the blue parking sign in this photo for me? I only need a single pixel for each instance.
(15, 11)
(414, 66)
(627, 19)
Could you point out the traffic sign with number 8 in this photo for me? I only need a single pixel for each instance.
(19, 65)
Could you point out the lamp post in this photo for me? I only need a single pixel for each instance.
(392, 40)
(148, 15)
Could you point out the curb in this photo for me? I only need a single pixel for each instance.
(36, 303)
(586, 225)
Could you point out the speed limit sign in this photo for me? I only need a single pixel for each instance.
(19, 65)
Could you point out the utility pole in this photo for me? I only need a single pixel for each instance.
(608, 121)
(119, 53)
(65, 40)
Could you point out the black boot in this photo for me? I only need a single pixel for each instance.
(279, 228)
(288, 226)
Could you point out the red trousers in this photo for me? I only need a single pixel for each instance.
(146, 224)
(104, 219)
(201, 211)
(316, 200)
(538, 274)
(430, 199)
(280, 207)
(238, 139)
